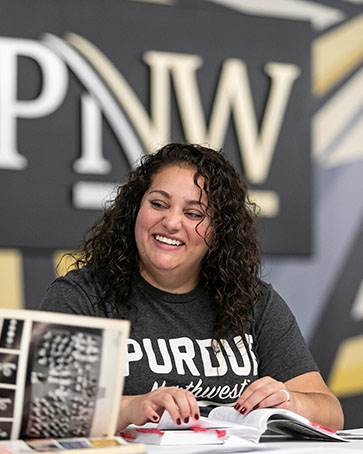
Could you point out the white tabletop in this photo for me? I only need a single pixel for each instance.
(317, 446)
(269, 447)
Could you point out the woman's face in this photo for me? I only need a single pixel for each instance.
(171, 228)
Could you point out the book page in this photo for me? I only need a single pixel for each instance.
(256, 418)
(166, 423)
(351, 433)
(231, 415)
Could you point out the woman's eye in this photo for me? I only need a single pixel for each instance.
(157, 204)
(193, 215)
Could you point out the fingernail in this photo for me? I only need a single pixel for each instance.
(243, 410)
(155, 418)
(196, 416)
(186, 420)
(178, 421)
(237, 406)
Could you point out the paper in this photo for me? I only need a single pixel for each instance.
(59, 374)
(351, 433)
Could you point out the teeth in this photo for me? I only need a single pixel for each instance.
(165, 240)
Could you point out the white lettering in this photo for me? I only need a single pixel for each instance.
(53, 90)
(182, 68)
(156, 385)
(98, 78)
(219, 392)
(181, 357)
(233, 99)
(183, 353)
(238, 370)
(225, 392)
(235, 392)
(165, 368)
(91, 160)
(242, 349)
(234, 96)
(206, 352)
(131, 356)
(208, 392)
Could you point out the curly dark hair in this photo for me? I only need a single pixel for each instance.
(232, 263)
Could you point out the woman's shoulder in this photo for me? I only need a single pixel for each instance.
(82, 277)
(269, 302)
(264, 291)
(75, 292)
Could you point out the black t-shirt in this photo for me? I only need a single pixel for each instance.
(170, 340)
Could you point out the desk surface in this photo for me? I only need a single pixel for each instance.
(271, 447)
(318, 446)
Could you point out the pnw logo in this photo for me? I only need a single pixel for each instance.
(108, 94)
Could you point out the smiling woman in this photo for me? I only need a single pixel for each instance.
(171, 229)
(176, 254)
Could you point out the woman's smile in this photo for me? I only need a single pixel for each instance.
(168, 241)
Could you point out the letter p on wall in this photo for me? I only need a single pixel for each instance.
(54, 83)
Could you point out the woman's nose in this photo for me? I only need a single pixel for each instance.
(172, 220)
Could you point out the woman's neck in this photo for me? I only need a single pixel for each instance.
(169, 283)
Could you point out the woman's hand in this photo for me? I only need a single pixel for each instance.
(305, 394)
(181, 405)
(265, 393)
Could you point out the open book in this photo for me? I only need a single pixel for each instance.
(276, 420)
(224, 422)
(60, 375)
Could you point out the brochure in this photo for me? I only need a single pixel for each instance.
(60, 374)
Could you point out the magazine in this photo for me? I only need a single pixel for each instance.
(60, 375)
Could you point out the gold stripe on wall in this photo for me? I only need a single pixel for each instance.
(346, 377)
(11, 279)
(63, 262)
(335, 54)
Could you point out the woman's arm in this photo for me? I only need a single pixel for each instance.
(181, 405)
(309, 397)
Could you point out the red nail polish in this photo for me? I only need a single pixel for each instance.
(237, 406)
(186, 420)
(243, 410)
(196, 417)
(178, 421)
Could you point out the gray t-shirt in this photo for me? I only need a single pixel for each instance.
(170, 340)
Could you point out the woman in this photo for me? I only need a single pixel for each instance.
(176, 254)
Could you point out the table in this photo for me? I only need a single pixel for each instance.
(275, 446)
(317, 446)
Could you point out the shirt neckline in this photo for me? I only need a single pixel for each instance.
(175, 298)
